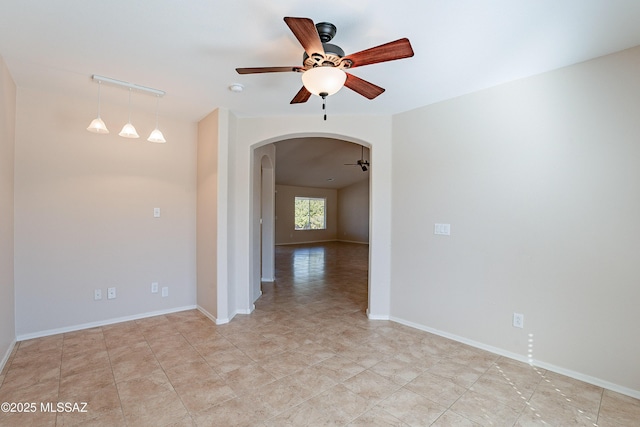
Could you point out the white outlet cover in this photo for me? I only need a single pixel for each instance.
(154, 287)
(111, 293)
(518, 320)
(165, 291)
(97, 294)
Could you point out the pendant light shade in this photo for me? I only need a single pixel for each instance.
(156, 135)
(324, 80)
(97, 125)
(128, 131)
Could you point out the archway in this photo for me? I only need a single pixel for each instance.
(263, 176)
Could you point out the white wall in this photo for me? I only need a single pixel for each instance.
(84, 213)
(540, 181)
(7, 146)
(353, 212)
(285, 207)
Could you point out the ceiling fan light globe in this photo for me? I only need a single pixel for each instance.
(326, 80)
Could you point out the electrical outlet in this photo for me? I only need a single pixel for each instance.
(518, 320)
(154, 287)
(97, 294)
(165, 291)
(111, 293)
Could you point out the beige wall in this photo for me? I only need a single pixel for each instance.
(353, 212)
(207, 214)
(540, 182)
(7, 145)
(84, 214)
(285, 224)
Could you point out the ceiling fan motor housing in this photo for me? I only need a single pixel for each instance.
(332, 57)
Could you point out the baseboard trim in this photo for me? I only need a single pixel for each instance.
(521, 358)
(352, 241)
(305, 243)
(90, 325)
(377, 316)
(211, 316)
(7, 354)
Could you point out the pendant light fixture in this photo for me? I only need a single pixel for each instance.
(156, 135)
(128, 131)
(97, 125)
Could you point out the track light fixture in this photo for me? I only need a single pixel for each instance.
(128, 130)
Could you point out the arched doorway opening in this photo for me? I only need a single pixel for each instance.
(324, 166)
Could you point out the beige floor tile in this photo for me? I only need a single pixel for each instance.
(412, 408)
(556, 390)
(451, 419)
(441, 390)
(459, 372)
(503, 390)
(536, 415)
(79, 362)
(377, 417)
(247, 378)
(200, 394)
(371, 386)
(485, 410)
(398, 369)
(618, 408)
(150, 400)
(239, 412)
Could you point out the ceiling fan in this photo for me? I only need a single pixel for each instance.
(364, 164)
(324, 64)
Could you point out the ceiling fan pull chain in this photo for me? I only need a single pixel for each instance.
(324, 105)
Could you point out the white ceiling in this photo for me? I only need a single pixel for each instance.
(191, 49)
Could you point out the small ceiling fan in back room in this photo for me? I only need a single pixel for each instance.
(364, 164)
(324, 64)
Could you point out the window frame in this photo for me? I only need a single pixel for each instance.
(309, 221)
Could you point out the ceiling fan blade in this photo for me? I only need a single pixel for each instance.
(363, 87)
(303, 95)
(257, 70)
(386, 52)
(305, 31)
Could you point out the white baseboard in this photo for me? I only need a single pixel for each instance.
(521, 358)
(377, 317)
(7, 354)
(211, 316)
(305, 243)
(353, 241)
(101, 323)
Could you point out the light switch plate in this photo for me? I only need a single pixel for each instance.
(442, 229)
(156, 212)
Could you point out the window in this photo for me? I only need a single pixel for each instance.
(310, 213)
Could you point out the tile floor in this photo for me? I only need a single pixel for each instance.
(307, 356)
